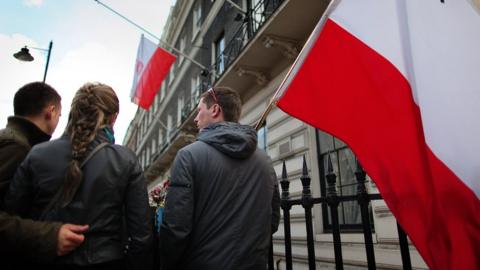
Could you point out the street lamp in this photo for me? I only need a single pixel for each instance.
(24, 55)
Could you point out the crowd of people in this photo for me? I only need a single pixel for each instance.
(81, 202)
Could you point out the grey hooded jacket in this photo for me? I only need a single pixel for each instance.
(223, 203)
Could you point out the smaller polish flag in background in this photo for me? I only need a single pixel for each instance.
(151, 67)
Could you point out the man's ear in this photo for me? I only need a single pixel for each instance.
(216, 110)
(48, 111)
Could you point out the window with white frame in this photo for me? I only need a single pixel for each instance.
(344, 166)
(160, 138)
(219, 47)
(197, 17)
(195, 91)
(179, 110)
(182, 50)
(171, 77)
(245, 27)
(258, 16)
(147, 161)
(155, 102)
(262, 138)
(145, 124)
(169, 126)
(154, 146)
(138, 135)
(163, 90)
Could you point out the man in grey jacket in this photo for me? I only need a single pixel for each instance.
(223, 202)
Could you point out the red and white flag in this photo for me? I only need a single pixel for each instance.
(151, 67)
(399, 82)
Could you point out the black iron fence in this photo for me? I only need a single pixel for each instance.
(332, 200)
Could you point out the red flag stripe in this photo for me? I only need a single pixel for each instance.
(152, 77)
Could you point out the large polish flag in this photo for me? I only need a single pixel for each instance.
(151, 67)
(399, 82)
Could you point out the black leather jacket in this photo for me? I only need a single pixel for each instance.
(112, 194)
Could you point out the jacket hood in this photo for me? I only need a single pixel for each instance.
(233, 139)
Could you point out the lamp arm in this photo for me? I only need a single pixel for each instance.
(40, 49)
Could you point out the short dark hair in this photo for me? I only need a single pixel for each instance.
(228, 99)
(32, 98)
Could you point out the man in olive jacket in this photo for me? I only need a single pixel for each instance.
(37, 111)
(223, 202)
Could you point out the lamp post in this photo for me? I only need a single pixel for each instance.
(24, 55)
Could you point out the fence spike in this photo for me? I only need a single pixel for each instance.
(329, 164)
(284, 183)
(305, 169)
(284, 171)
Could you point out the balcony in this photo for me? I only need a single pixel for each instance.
(278, 31)
(253, 20)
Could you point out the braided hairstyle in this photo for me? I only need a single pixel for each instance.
(93, 107)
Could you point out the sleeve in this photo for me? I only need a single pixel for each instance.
(137, 216)
(275, 202)
(178, 215)
(11, 155)
(19, 195)
(33, 239)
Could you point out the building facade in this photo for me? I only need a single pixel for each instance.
(249, 45)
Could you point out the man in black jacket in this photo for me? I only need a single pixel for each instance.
(223, 202)
(37, 111)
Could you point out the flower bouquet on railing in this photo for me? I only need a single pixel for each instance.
(157, 199)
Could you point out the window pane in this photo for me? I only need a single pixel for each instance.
(347, 171)
(339, 143)
(351, 209)
(326, 142)
(219, 57)
(344, 167)
(262, 138)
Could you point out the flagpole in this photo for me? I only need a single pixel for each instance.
(275, 97)
(154, 36)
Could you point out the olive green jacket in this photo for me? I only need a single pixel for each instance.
(16, 140)
(33, 240)
(28, 238)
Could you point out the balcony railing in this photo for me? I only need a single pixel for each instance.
(255, 18)
(332, 200)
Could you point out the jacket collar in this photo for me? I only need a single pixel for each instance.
(29, 130)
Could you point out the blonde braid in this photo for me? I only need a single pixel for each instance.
(91, 108)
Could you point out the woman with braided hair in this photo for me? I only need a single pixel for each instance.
(84, 178)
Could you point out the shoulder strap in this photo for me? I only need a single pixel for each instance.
(92, 153)
(59, 192)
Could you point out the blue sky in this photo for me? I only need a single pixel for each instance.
(90, 43)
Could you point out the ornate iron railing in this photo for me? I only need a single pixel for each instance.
(332, 200)
(258, 12)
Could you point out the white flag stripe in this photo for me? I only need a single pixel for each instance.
(379, 17)
(146, 48)
(446, 51)
(446, 84)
